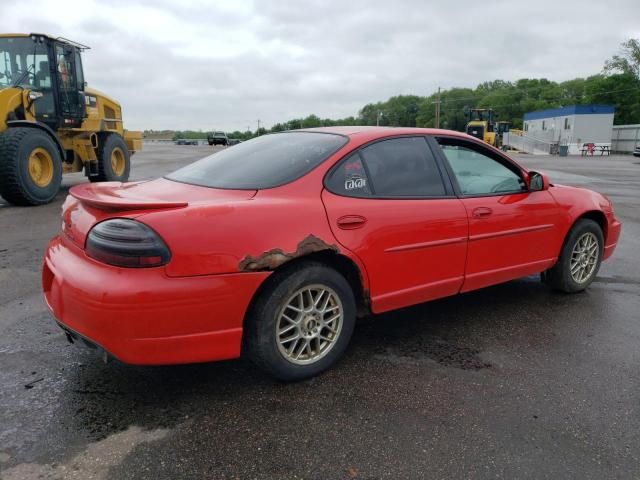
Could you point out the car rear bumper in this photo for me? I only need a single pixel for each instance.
(142, 316)
(613, 234)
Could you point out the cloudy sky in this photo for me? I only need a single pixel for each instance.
(226, 64)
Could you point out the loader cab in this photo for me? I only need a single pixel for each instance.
(481, 115)
(51, 67)
(503, 127)
(481, 124)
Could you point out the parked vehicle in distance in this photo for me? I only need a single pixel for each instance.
(274, 247)
(636, 152)
(217, 138)
(233, 141)
(185, 141)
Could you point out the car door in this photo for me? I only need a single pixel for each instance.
(70, 86)
(389, 204)
(512, 232)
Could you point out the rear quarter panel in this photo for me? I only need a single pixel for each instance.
(260, 234)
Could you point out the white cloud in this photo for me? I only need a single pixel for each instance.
(224, 64)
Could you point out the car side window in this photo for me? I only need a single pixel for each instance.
(479, 174)
(393, 168)
(350, 178)
(402, 167)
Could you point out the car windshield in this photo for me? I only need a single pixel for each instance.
(264, 162)
(22, 62)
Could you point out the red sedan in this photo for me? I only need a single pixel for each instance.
(273, 247)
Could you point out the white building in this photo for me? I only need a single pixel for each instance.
(573, 126)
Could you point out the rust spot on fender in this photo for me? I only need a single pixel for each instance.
(275, 257)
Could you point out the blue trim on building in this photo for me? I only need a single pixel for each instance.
(571, 110)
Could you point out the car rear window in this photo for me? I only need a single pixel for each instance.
(263, 162)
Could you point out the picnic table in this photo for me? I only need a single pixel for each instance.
(590, 148)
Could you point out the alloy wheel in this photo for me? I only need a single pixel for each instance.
(309, 324)
(584, 257)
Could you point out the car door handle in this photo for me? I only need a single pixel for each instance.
(481, 212)
(351, 222)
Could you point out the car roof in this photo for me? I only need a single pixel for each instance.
(380, 132)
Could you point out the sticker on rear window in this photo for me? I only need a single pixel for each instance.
(355, 182)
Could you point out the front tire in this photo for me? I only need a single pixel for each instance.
(301, 323)
(579, 260)
(30, 166)
(114, 162)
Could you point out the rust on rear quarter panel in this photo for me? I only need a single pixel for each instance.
(275, 257)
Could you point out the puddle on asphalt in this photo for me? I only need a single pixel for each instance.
(617, 279)
(94, 462)
(439, 350)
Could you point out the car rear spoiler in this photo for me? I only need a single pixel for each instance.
(114, 196)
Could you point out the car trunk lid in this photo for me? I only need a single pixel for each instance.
(88, 204)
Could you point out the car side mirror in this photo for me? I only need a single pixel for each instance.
(538, 182)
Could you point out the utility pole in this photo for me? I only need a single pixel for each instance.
(378, 118)
(258, 131)
(437, 105)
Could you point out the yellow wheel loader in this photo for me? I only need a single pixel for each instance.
(51, 123)
(481, 125)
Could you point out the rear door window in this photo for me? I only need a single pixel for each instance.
(392, 168)
(403, 167)
(350, 178)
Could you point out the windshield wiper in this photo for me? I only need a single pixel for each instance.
(22, 76)
(27, 71)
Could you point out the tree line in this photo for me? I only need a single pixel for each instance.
(618, 84)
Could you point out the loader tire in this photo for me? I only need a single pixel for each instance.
(114, 163)
(30, 166)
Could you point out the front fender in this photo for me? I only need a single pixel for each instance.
(40, 126)
(576, 202)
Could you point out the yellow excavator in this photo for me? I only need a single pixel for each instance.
(482, 125)
(51, 123)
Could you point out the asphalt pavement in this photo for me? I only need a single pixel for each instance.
(511, 381)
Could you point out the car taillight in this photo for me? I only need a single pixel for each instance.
(126, 243)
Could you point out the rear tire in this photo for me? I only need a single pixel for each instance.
(579, 259)
(292, 307)
(114, 162)
(30, 166)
